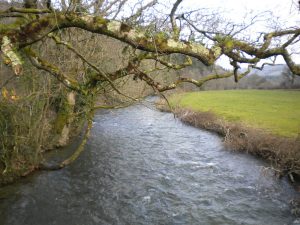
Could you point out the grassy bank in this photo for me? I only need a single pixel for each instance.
(261, 122)
(276, 111)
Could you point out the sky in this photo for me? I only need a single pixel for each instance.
(286, 11)
(282, 8)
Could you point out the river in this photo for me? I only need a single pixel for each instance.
(142, 166)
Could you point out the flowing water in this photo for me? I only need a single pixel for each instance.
(142, 166)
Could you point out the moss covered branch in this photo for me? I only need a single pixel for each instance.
(176, 66)
(137, 38)
(11, 56)
(80, 148)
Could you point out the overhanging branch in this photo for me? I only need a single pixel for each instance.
(137, 38)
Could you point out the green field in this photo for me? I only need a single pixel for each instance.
(277, 111)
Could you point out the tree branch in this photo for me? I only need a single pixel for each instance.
(137, 38)
(175, 28)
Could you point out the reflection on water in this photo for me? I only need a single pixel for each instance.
(142, 166)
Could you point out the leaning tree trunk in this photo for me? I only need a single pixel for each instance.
(64, 120)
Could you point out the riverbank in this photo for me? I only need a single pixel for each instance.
(258, 122)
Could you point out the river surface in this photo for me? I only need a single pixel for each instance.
(142, 166)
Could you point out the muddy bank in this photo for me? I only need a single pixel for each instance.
(282, 153)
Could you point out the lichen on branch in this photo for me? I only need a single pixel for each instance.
(11, 56)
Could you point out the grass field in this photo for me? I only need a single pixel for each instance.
(277, 111)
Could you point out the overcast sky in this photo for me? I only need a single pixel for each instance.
(236, 9)
(239, 7)
(285, 10)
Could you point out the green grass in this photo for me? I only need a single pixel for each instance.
(277, 111)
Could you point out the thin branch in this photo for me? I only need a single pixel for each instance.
(188, 61)
(139, 12)
(173, 19)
